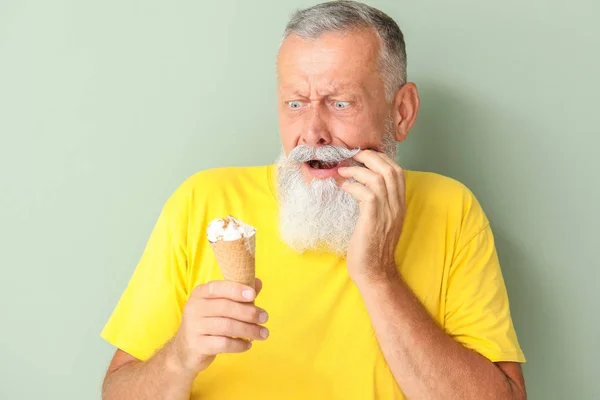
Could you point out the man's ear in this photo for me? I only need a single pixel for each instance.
(405, 109)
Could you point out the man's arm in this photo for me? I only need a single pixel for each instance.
(425, 361)
(158, 378)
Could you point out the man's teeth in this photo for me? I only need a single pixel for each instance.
(317, 164)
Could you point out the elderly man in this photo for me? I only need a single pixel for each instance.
(379, 283)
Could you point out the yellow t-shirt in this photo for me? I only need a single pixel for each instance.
(321, 344)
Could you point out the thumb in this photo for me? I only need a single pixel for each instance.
(258, 285)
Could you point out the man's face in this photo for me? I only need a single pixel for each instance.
(330, 92)
(331, 101)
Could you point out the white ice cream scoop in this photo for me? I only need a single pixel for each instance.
(228, 229)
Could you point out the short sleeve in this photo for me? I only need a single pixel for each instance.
(149, 311)
(477, 305)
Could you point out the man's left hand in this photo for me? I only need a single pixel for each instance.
(380, 189)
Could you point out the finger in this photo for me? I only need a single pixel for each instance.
(370, 179)
(386, 158)
(213, 345)
(225, 290)
(257, 285)
(398, 173)
(390, 171)
(218, 326)
(245, 312)
(372, 160)
(361, 193)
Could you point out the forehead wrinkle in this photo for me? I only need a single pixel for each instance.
(336, 87)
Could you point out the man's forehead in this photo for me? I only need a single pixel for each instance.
(331, 63)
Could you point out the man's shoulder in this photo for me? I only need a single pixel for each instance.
(231, 182)
(224, 177)
(444, 196)
(435, 187)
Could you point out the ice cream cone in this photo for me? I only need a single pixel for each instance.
(236, 259)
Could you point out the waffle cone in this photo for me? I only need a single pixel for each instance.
(236, 259)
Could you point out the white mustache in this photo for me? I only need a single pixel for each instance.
(329, 154)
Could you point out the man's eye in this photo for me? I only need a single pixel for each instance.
(294, 105)
(340, 105)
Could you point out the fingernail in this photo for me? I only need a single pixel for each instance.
(248, 294)
(264, 333)
(263, 317)
(249, 344)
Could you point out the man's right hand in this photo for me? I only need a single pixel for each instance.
(219, 317)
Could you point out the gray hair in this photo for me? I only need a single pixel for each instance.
(346, 15)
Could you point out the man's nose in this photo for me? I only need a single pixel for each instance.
(316, 131)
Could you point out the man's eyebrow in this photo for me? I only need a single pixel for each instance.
(293, 89)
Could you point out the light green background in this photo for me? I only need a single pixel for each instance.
(106, 106)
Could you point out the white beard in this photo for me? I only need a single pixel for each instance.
(319, 215)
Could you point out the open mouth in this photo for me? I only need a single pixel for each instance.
(318, 164)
